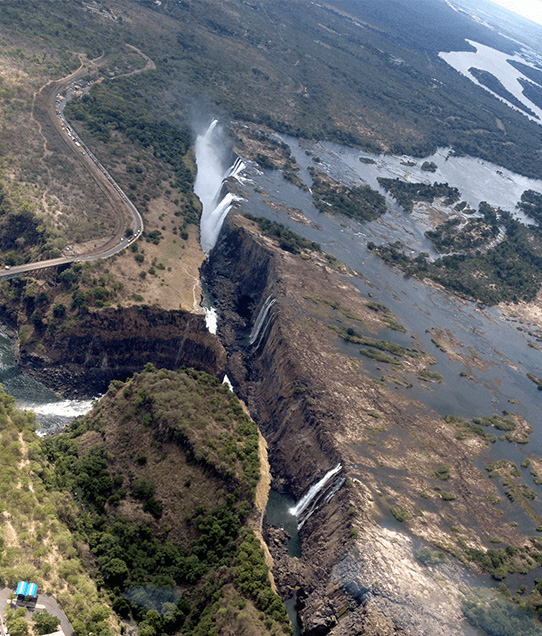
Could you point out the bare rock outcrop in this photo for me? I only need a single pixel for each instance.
(115, 343)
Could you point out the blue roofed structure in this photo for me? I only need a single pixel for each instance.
(26, 592)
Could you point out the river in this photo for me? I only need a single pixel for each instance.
(506, 349)
(51, 411)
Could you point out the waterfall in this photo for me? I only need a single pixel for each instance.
(212, 159)
(237, 168)
(228, 383)
(264, 311)
(311, 499)
(267, 318)
(211, 319)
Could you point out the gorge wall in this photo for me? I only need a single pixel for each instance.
(319, 406)
(82, 359)
(275, 377)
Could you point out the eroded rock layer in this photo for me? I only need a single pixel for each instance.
(113, 344)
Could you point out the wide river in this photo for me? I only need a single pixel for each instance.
(508, 349)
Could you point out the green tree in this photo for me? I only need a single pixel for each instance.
(46, 623)
(17, 626)
(114, 570)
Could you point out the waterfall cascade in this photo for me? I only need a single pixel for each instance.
(212, 159)
(321, 491)
(211, 319)
(63, 408)
(228, 383)
(262, 323)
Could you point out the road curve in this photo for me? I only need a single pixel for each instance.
(54, 110)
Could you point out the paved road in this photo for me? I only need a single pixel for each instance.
(48, 100)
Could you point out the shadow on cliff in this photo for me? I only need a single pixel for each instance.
(115, 343)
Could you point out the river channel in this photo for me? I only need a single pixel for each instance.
(507, 349)
(52, 412)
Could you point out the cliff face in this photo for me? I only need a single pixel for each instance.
(292, 328)
(242, 274)
(113, 344)
(273, 375)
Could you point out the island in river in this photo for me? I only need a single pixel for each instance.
(401, 419)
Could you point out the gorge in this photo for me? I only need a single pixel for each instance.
(333, 418)
(318, 364)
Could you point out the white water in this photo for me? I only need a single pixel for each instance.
(211, 319)
(228, 383)
(264, 311)
(213, 169)
(64, 408)
(312, 493)
(51, 413)
(476, 179)
(497, 63)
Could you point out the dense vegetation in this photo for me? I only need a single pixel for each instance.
(457, 236)
(490, 81)
(354, 88)
(176, 561)
(358, 202)
(347, 83)
(24, 236)
(122, 107)
(532, 92)
(531, 204)
(36, 543)
(509, 272)
(287, 240)
(406, 194)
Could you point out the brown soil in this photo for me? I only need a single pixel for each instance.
(176, 286)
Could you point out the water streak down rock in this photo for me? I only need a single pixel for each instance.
(261, 321)
(327, 486)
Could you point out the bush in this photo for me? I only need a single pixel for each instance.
(400, 513)
(46, 623)
(59, 311)
(428, 556)
(442, 472)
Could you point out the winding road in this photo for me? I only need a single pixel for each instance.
(49, 106)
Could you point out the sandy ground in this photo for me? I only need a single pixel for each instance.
(528, 313)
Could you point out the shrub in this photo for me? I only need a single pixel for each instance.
(400, 513)
(442, 472)
(428, 556)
